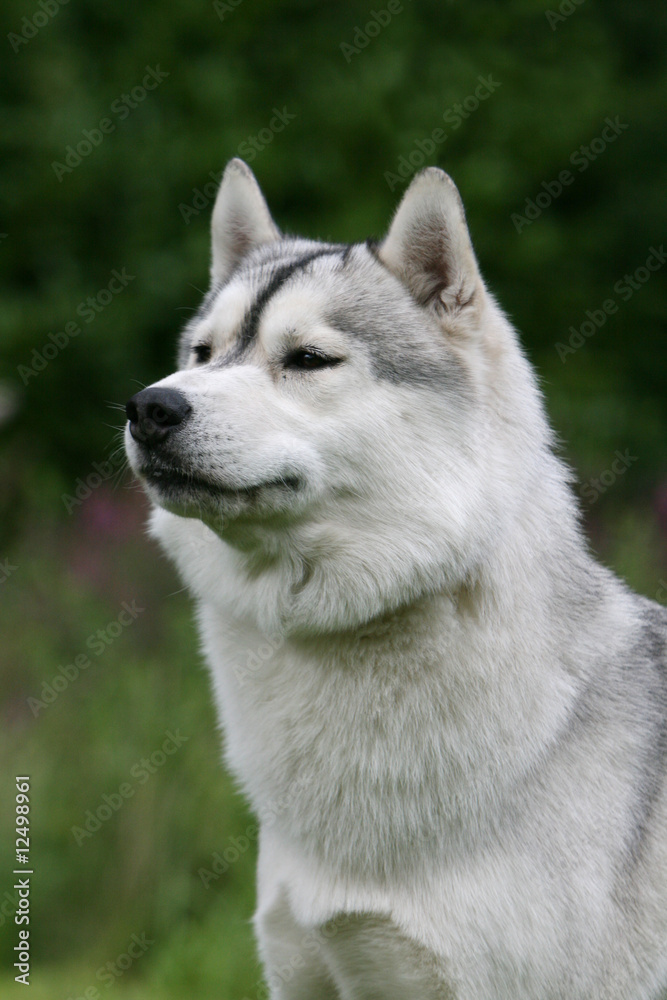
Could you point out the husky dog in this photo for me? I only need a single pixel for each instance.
(450, 720)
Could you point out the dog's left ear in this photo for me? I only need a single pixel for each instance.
(241, 219)
(428, 246)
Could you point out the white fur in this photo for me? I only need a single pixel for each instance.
(401, 651)
(240, 220)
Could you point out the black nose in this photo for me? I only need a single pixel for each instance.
(153, 412)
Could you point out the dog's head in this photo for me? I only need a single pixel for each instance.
(336, 410)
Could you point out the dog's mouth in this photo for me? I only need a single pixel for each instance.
(175, 484)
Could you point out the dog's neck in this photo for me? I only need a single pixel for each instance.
(513, 644)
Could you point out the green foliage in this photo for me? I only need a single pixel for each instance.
(356, 116)
(107, 863)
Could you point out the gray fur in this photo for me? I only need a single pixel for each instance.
(449, 718)
(366, 301)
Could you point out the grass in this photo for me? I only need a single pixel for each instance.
(137, 873)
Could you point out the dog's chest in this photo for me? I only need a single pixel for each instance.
(343, 750)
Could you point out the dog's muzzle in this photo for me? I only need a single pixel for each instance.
(153, 413)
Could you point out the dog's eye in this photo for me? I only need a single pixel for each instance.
(202, 353)
(308, 359)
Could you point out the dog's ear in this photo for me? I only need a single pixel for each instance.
(428, 246)
(241, 219)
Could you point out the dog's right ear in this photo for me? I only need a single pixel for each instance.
(241, 220)
(428, 246)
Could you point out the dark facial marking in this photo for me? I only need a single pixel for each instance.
(346, 253)
(309, 359)
(282, 274)
(202, 353)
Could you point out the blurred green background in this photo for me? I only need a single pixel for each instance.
(116, 121)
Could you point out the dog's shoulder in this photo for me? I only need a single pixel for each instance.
(654, 633)
(644, 693)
